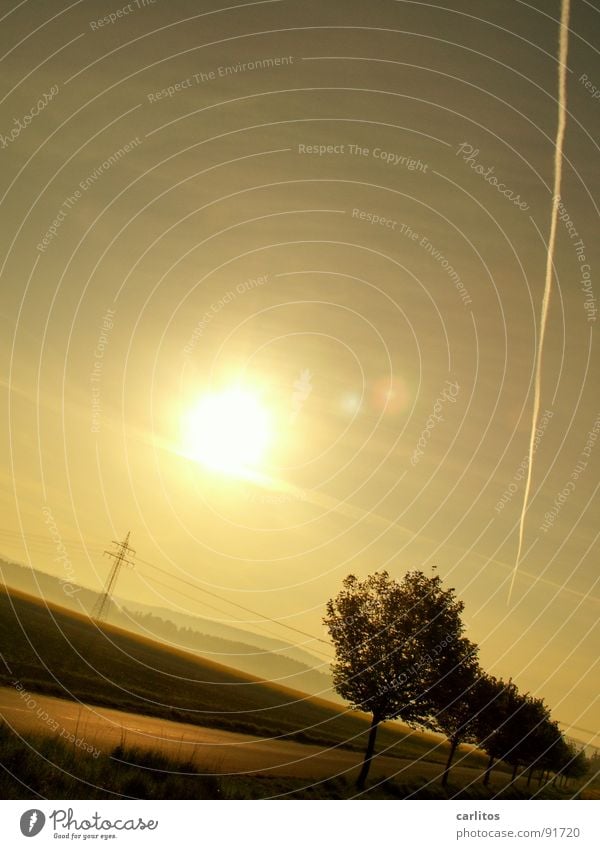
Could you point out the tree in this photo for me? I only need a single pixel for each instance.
(389, 638)
(578, 766)
(528, 733)
(458, 697)
(542, 746)
(517, 728)
(499, 703)
(574, 763)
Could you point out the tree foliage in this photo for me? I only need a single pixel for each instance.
(457, 696)
(391, 640)
(401, 653)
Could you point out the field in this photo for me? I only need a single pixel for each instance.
(49, 768)
(53, 651)
(167, 724)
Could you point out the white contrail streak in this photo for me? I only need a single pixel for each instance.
(558, 155)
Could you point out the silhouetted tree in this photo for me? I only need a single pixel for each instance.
(495, 727)
(574, 764)
(543, 747)
(528, 734)
(578, 766)
(389, 638)
(457, 696)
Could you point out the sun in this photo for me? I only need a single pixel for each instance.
(228, 431)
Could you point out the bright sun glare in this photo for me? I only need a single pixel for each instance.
(228, 431)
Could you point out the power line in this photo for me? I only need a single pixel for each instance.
(235, 604)
(236, 620)
(102, 603)
(30, 538)
(120, 556)
(578, 728)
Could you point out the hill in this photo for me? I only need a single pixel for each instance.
(263, 657)
(49, 649)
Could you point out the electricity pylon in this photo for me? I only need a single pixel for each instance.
(120, 555)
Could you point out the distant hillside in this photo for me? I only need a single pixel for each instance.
(229, 632)
(266, 658)
(49, 649)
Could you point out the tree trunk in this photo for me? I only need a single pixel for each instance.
(540, 776)
(368, 754)
(488, 771)
(529, 774)
(453, 746)
(514, 772)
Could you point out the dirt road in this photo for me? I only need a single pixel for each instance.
(216, 751)
(211, 749)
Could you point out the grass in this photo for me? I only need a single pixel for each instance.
(47, 767)
(37, 766)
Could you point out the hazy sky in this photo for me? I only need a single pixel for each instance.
(353, 197)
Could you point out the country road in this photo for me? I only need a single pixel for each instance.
(210, 749)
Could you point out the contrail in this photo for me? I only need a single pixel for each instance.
(558, 154)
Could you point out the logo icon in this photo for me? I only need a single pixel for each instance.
(32, 822)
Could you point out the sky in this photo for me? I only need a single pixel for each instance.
(342, 208)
